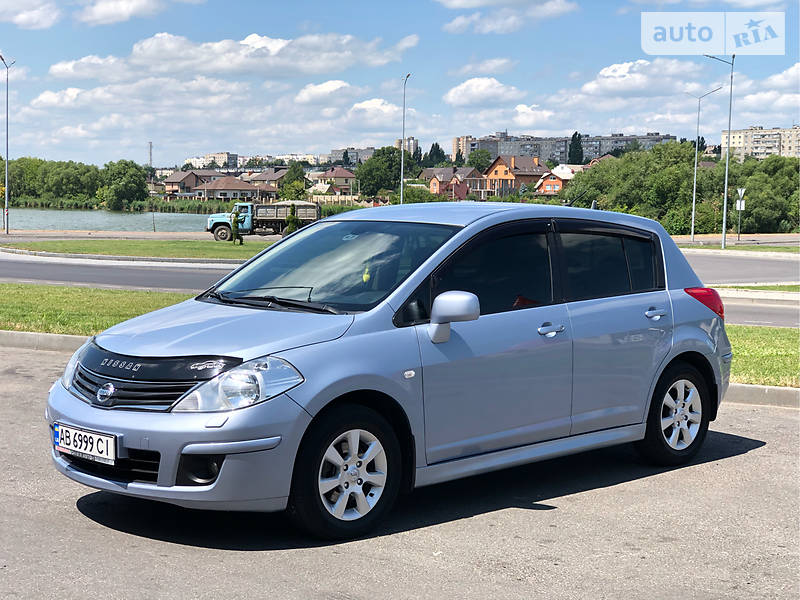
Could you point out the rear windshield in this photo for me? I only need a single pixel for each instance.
(348, 265)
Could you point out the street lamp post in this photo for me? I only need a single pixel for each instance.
(727, 149)
(5, 211)
(696, 149)
(403, 139)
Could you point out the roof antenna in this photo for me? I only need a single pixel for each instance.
(578, 197)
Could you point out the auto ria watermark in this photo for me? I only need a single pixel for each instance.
(684, 33)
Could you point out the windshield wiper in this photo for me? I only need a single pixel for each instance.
(270, 300)
(291, 303)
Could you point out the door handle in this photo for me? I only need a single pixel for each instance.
(549, 330)
(655, 313)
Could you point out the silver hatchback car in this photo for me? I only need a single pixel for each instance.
(398, 347)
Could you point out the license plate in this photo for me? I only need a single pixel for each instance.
(83, 443)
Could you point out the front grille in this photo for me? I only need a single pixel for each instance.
(128, 393)
(141, 465)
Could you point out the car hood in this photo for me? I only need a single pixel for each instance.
(219, 216)
(194, 328)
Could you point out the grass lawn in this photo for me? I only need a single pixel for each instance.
(75, 310)
(754, 248)
(159, 248)
(763, 288)
(765, 355)
(761, 355)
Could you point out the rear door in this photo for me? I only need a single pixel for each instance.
(621, 319)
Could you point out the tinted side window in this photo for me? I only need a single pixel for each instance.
(506, 273)
(642, 263)
(595, 265)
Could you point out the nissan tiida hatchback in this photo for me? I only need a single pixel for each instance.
(398, 347)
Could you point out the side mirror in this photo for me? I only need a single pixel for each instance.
(450, 307)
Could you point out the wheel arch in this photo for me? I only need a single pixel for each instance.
(391, 410)
(701, 363)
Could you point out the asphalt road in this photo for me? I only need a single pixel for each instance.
(767, 315)
(733, 268)
(597, 525)
(712, 269)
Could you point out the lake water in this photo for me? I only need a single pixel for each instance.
(103, 220)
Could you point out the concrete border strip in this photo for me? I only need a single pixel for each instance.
(738, 393)
(222, 262)
(792, 256)
(759, 297)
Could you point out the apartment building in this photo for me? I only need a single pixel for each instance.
(553, 148)
(760, 142)
(354, 155)
(411, 145)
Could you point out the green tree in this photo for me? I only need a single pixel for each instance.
(382, 170)
(186, 166)
(294, 173)
(459, 159)
(124, 183)
(434, 156)
(345, 158)
(417, 155)
(212, 165)
(479, 159)
(294, 190)
(575, 151)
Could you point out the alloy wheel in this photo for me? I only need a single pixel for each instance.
(681, 414)
(352, 474)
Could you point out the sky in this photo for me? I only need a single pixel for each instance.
(96, 80)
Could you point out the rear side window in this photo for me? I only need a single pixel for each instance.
(595, 265)
(505, 273)
(641, 263)
(600, 265)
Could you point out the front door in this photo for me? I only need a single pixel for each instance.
(498, 382)
(621, 321)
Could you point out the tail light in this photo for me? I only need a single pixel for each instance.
(709, 297)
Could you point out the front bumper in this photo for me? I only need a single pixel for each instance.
(259, 444)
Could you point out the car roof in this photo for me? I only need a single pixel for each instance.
(463, 213)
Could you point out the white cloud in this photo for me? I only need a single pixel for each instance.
(334, 90)
(509, 17)
(168, 54)
(375, 112)
(785, 80)
(643, 77)
(105, 12)
(481, 90)
(30, 14)
(490, 66)
(529, 116)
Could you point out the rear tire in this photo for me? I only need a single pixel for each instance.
(678, 419)
(338, 493)
(222, 233)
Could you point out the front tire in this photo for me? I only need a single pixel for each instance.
(222, 233)
(679, 415)
(347, 473)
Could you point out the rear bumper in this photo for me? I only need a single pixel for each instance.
(259, 445)
(724, 375)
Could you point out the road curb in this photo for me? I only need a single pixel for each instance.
(738, 393)
(767, 395)
(743, 253)
(759, 297)
(31, 340)
(217, 261)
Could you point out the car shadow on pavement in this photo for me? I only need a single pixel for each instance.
(536, 486)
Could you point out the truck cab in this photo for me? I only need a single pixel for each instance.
(220, 223)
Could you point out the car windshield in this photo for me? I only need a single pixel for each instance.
(348, 266)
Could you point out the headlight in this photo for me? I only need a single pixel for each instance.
(69, 370)
(250, 383)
